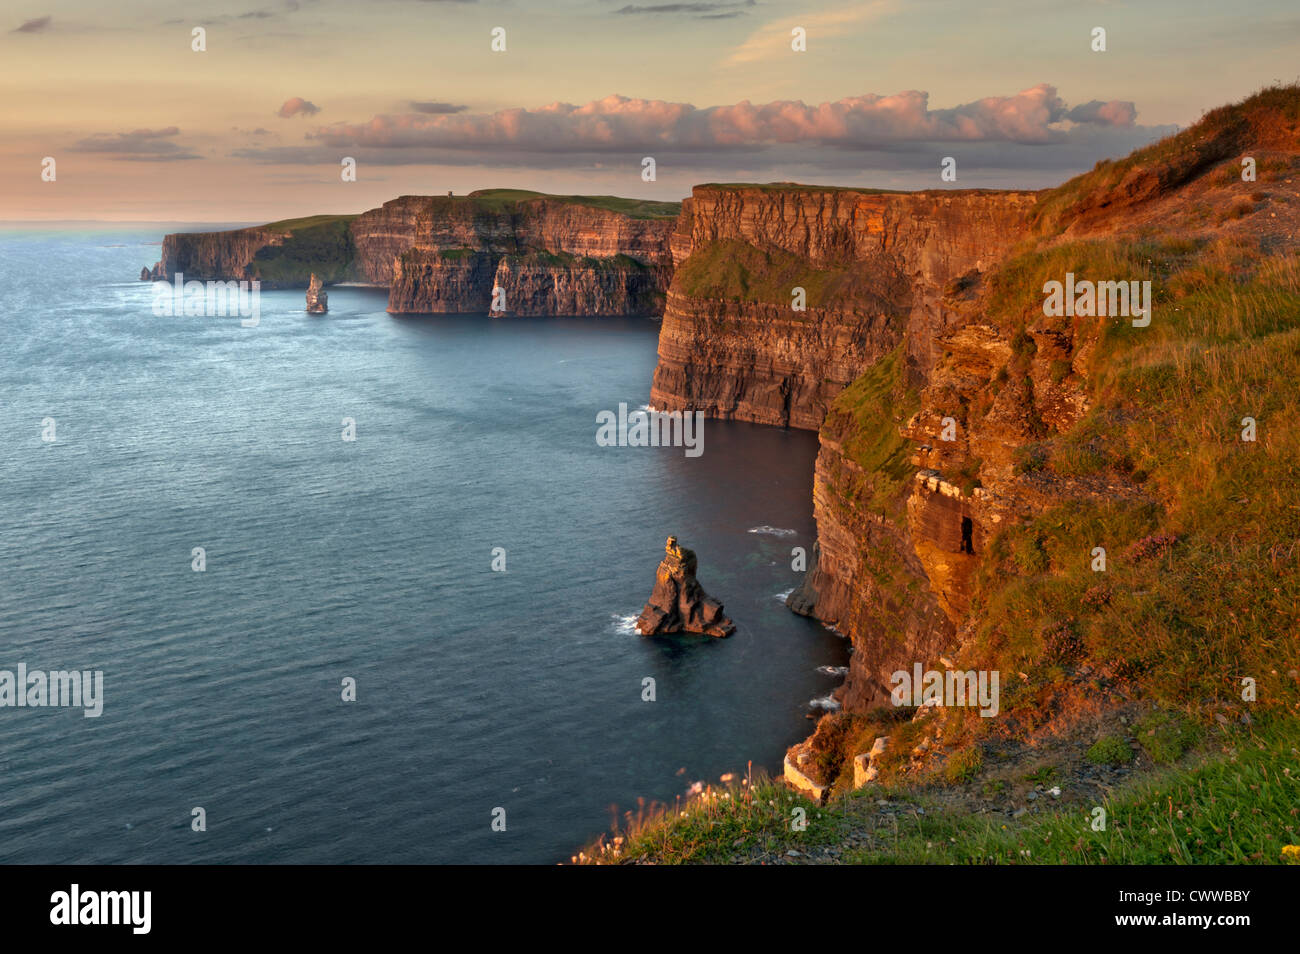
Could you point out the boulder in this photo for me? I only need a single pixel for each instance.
(866, 767)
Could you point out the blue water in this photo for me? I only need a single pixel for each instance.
(372, 560)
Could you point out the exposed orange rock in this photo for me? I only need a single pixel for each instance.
(678, 603)
(762, 360)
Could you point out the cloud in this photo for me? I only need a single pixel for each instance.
(297, 106)
(1114, 113)
(138, 145)
(38, 25)
(704, 11)
(437, 109)
(1027, 139)
(619, 123)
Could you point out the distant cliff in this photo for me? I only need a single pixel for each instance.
(549, 255)
(280, 255)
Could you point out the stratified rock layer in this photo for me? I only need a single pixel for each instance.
(548, 255)
(678, 603)
(736, 350)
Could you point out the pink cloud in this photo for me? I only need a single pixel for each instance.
(619, 122)
(297, 106)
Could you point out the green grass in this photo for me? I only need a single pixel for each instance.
(963, 765)
(310, 221)
(732, 270)
(507, 200)
(865, 420)
(1232, 807)
(1109, 750)
(723, 823)
(320, 244)
(1165, 736)
(1235, 804)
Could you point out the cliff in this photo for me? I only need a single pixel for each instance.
(550, 255)
(280, 255)
(1057, 497)
(547, 255)
(739, 339)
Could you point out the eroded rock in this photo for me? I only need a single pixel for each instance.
(678, 603)
(317, 297)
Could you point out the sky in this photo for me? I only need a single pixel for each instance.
(255, 127)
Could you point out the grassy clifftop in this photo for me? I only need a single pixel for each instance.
(500, 200)
(318, 243)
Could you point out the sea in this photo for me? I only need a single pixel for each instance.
(411, 646)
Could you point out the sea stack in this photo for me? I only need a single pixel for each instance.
(678, 603)
(317, 298)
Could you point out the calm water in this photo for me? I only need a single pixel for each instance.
(372, 559)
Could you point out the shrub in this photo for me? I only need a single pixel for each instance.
(1165, 736)
(1030, 458)
(1029, 556)
(1109, 750)
(963, 765)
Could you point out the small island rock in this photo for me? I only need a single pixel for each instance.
(678, 603)
(317, 298)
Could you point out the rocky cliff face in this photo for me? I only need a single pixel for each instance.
(549, 255)
(963, 479)
(535, 283)
(213, 256)
(872, 266)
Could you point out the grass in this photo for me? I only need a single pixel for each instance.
(1261, 121)
(732, 270)
(1109, 750)
(508, 200)
(865, 420)
(715, 826)
(1236, 803)
(320, 244)
(310, 221)
(1167, 408)
(1165, 736)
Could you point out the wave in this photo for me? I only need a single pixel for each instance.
(784, 594)
(625, 625)
(829, 703)
(773, 531)
(833, 670)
